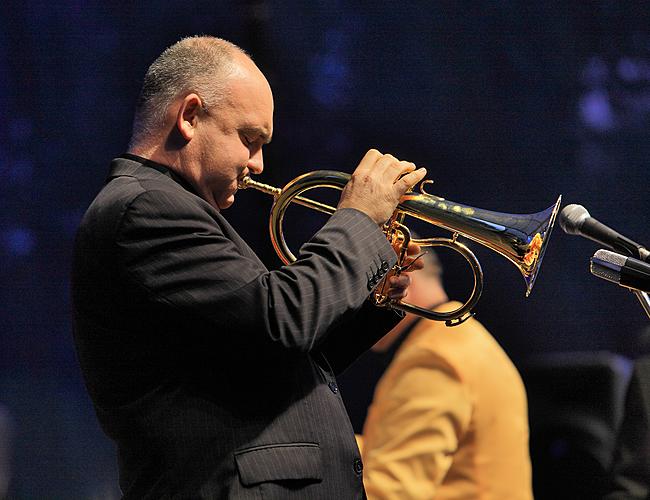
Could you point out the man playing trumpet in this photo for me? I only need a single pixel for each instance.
(214, 376)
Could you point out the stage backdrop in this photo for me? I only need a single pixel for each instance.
(507, 103)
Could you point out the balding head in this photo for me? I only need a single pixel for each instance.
(198, 64)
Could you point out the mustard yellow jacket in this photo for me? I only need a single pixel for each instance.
(448, 420)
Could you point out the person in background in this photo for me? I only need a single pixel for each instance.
(629, 477)
(449, 416)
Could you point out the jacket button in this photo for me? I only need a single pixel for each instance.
(384, 266)
(357, 466)
(333, 387)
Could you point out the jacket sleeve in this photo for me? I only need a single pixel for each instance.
(175, 251)
(417, 418)
(350, 340)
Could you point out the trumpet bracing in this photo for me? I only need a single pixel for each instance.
(522, 239)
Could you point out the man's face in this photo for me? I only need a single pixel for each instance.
(231, 137)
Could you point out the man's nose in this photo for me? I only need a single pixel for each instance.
(256, 162)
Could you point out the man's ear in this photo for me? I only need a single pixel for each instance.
(188, 116)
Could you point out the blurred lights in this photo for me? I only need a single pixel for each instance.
(330, 72)
(19, 241)
(629, 70)
(616, 96)
(596, 111)
(329, 77)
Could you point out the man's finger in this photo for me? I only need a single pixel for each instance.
(414, 263)
(401, 281)
(398, 286)
(392, 168)
(369, 161)
(413, 249)
(386, 164)
(411, 179)
(404, 167)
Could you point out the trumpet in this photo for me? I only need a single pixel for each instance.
(522, 239)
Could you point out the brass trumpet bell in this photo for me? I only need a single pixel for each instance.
(522, 239)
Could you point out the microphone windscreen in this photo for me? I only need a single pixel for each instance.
(611, 257)
(605, 273)
(572, 217)
(607, 265)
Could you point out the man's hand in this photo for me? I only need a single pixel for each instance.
(398, 285)
(378, 183)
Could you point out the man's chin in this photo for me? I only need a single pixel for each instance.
(226, 202)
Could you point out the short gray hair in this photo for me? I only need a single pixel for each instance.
(194, 64)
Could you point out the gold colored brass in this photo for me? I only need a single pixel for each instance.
(522, 239)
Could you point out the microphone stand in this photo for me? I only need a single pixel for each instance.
(644, 298)
(573, 217)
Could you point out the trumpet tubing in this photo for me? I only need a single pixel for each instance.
(522, 239)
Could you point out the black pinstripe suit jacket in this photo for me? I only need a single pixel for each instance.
(213, 375)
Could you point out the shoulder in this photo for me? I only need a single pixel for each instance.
(464, 350)
(442, 340)
(141, 193)
(134, 184)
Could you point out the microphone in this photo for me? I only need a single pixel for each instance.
(622, 270)
(574, 219)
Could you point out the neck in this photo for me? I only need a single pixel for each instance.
(435, 296)
(172, 158)
(164, 146)
(157, 154)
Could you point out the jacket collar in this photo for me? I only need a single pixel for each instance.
(130, 165)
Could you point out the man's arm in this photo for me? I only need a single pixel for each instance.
(420, 412)
(349, 341)
(174, 253)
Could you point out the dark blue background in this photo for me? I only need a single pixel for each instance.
(507, 103)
